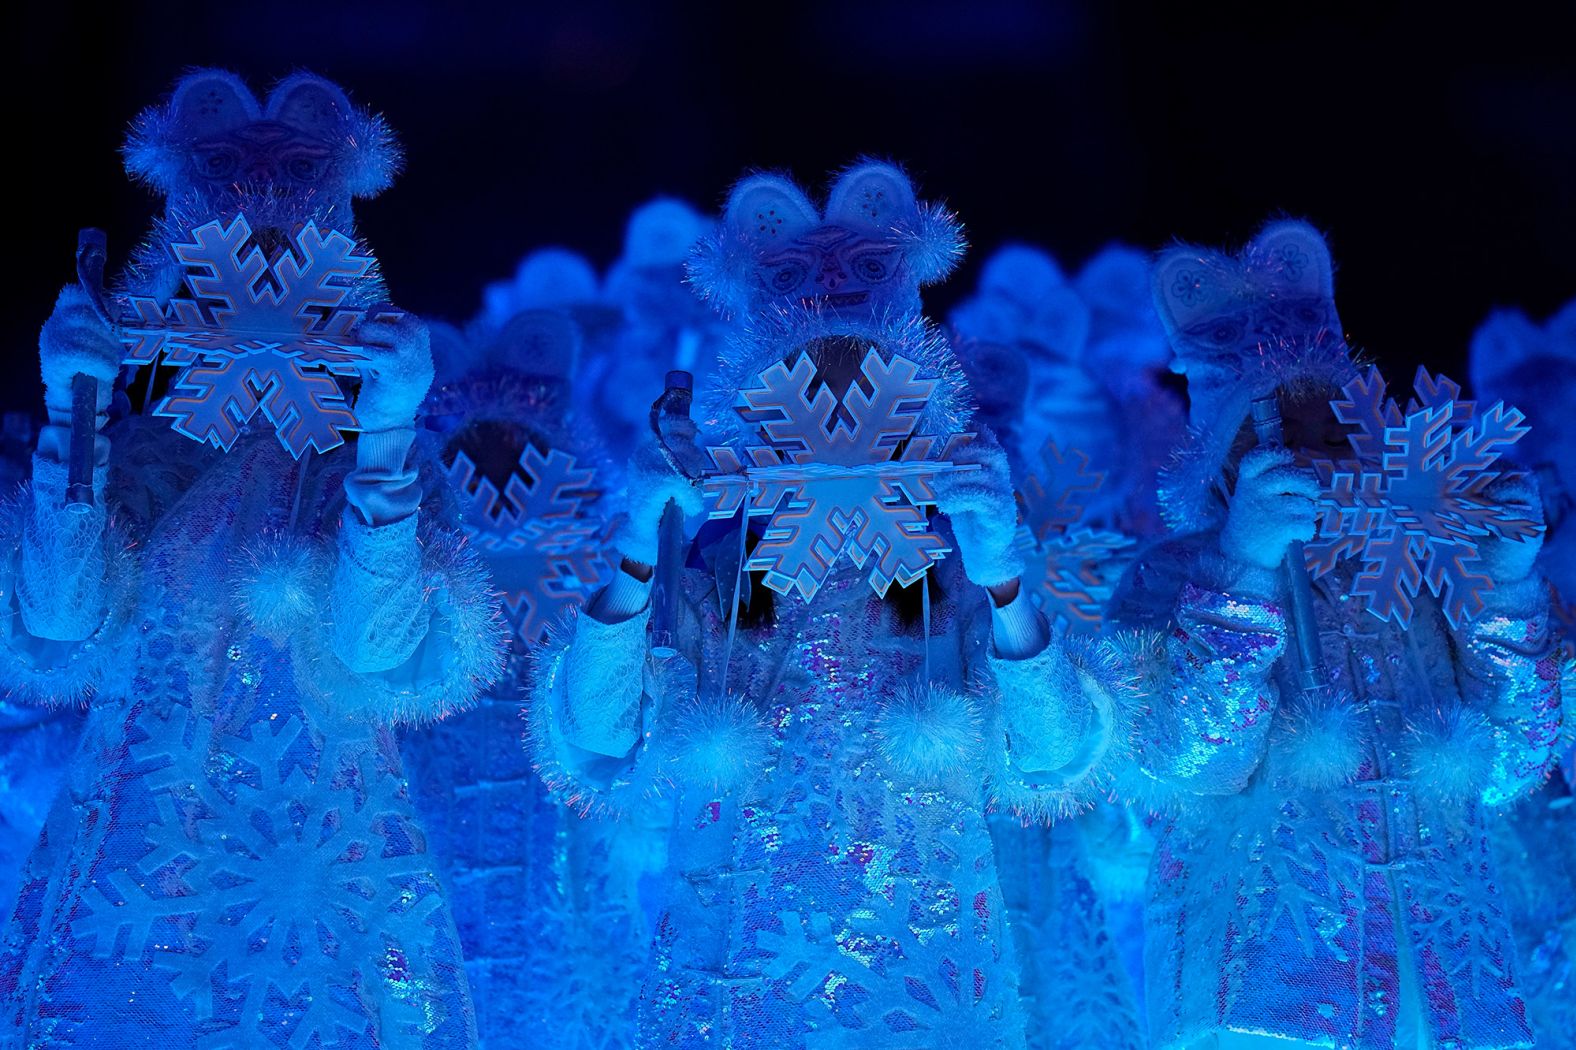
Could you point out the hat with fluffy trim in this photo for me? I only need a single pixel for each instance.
(210, 102)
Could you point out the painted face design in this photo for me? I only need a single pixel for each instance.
(279, 175)
(830, 268)
(1213, 351)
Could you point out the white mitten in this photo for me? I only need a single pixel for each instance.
(1273, 505)
(982, 510)
(1509, 560)
(76, 341)
(397, 374)
(650, 483)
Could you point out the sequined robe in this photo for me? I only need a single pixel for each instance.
(551, 906)
(233, 860)
(833, 901)
(1334, 916)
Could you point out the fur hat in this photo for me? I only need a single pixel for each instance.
(205, 103)
(1241, 326)
(766, 213)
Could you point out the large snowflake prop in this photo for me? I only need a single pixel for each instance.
(1070, 568)
(1412, 504)
(262, 331)
(543, 546)
(835, 478)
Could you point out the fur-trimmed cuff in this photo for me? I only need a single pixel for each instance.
(1229, 576)
(582, 655)
(1522, 599)
(286, 589)
(44, 671)
(1064, 727)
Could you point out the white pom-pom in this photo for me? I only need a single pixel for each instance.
(932, 242)
(928, 731)
(1320, 741)
(720, 743)
(1450, 754)
(277, 587)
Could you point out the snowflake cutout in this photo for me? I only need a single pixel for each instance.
(1412, 505)
(1071, 570)
(261, 332)
(542, 545)
(834, 478)
(277, 802)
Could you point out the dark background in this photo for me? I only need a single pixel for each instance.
(1439, 155)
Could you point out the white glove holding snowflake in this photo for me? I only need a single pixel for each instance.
(650, 483)
(1273, 505)
(76, 341)
(397, 374)
(983, 512)
(1509, 560)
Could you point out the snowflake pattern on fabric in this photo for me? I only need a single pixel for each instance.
(242, 831)
(260, 332)
(1411, 505)
(1071, 570)
(542, 544)
(835, 478)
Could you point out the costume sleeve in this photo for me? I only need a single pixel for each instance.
(66, 581)
(1510, 671)
(595, 700)
(1210, 676)
(1063, 715)
(412, 624)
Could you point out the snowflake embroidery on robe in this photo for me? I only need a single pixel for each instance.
(264, 332)
(543, 546)
(835, 478)
(1070, 568)
(1411, 505)
(279, 802)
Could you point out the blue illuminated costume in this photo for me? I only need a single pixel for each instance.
(1534, 367)
(831, 881)
(548, 902)
(1074, 363)
(233, 860)
(663, 325)
(1326, 875)
(1078, 362)
(36, 741)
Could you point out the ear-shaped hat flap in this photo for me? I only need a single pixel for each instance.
(453, 355)
(878, 197)
(1294, 258)
(763, 213)
(211, 102)
(1021, 273)
(368, 158)
(1562, 330)
(538, 343)
(871, 195)
(554, 277)
(1059, 321)
(1190, 284)
(205, 102)
(663, 232)
(1501, 345)
(768, 210)
(1117, 282)
(546, 279)
(310, 104)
